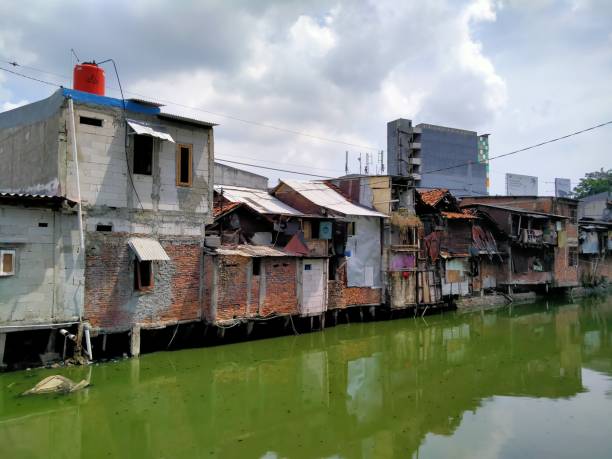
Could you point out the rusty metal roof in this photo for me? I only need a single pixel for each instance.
(244, 250)
(433, 197)
(220, 209)
(458, 215)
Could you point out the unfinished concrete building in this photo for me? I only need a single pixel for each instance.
(142, 178)
(41, 276)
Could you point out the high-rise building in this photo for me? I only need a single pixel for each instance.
(439, 157)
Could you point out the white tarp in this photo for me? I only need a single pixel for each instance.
(142, 128)
(148, 249)
(363, 267)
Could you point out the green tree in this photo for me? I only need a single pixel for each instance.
(593, 183)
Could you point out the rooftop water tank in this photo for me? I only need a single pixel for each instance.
(89, 77)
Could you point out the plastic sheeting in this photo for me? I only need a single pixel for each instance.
(364, 265)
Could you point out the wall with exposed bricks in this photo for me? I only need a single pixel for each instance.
(112, 303)
(340, 296)
(241, 295)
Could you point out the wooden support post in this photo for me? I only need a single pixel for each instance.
(373, 311)
(361, 313)
(135, 341)
(220, 332)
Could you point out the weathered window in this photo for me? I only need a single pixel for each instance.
(43, 224)
(104, 228)
(90, 121)
(573, 214)
(350, 229)
(572, 257)
(184, 164)
(143, 275)
(7, 262)
(256, 266)
(143, 155)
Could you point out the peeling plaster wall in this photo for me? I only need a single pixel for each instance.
(48, 284)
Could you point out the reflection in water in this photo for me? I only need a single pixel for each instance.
(482, 384)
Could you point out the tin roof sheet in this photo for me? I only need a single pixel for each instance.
(148, 249)
(244, 250)
(259, 200)
(324, 196)
(432, 197)
(142, 128)
(530, 213)
(458, 215)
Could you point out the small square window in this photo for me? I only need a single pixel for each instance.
(7, 262)
(143, 155)
(143, 275)
(307, 267)
(183, 164)
(104, 228)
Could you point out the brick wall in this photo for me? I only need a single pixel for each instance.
(340, 296)
(275, 286)
(281, 286)
(112, 304)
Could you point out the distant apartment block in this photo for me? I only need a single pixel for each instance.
(439, 157)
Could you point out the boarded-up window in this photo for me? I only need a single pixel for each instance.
(7, 262)
(143, 275)
(143, 154)
(183, 164)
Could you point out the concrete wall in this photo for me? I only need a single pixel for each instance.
(232, 176)
(153, 204)
(29, 140)
(48, 284)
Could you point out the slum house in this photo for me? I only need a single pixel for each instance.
(354, 236)
(41, 276)
(408, 280)
(530, 241)
(260, 266)
(143, 178)
(561, 213)
(594, 263)
(449, 240)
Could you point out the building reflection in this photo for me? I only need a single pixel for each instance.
(367, 390)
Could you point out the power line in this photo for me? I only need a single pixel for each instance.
(556, 139)
(273, 168)
(222, 115)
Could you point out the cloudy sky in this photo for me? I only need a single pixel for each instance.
(522, 70)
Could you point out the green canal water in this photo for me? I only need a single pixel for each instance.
(531, 381)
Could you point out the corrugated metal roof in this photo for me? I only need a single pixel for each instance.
(531, 213)
(148, 249)
(220, 209)
(185, 115)
(324, 196)
(34, 197)
(259, 200)
(251, 251)
(142, 128)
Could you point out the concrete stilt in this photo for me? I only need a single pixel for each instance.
(311, 322)
(336, 317)
(322, 319)
(373, 311)
(135, 342)
(287, 322)
(220, 332)
(104, 338)
(2, 346)
(51, 341)
(361, 314)
(250, 328)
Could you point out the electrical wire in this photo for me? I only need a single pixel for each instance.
(210, 112)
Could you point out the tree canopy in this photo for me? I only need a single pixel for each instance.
(593, 183)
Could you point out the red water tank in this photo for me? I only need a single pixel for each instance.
(89, 77)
